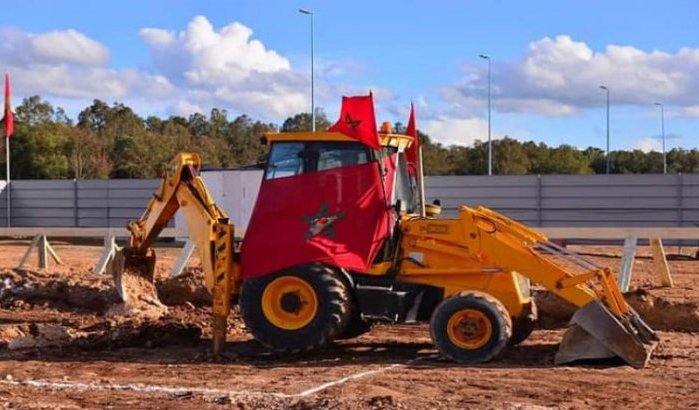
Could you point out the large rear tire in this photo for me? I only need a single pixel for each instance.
(470, 327)
(296, 310)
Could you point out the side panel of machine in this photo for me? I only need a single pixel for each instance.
(444, 253)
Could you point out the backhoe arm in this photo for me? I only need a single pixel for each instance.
(182, 188)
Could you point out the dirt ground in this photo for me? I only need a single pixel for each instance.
(61, 348)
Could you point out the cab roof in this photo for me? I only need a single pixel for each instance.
(387, 140)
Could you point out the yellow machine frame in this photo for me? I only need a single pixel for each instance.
(480, 250)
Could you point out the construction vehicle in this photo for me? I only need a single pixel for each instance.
(341, 238)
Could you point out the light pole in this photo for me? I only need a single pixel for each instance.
(490, 142)
(607, 156)
(662, 130)
(313, 104)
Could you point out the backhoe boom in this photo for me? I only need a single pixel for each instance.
(182, 188)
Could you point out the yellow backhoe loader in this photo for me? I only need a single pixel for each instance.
(341, 238)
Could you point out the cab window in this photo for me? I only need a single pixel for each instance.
(284, 160)
(293, 158)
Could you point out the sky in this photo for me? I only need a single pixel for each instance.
(549, 58)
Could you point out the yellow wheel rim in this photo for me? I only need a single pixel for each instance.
(469, 329)
(289, 302)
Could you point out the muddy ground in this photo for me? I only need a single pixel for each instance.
(61, 347)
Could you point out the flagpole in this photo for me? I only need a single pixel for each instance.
(7, 179)
(421, 181)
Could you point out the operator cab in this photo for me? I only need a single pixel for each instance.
(328, 199)
(293, 154)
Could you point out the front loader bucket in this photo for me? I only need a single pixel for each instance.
(595, 333)
(134, 276)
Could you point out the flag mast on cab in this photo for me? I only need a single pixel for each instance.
(9, 122)
(414, 157)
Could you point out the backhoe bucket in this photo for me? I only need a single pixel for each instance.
(134, 277)
(595, 333)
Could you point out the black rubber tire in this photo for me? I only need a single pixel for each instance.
(330, 320)
(356, 326)
(524, 325)
(488, 305)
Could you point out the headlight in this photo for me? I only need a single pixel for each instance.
(525, 285)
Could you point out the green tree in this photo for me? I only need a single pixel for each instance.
(199, 125)
(88, 155)
(302, 122)
(509, 157)
(34, 111)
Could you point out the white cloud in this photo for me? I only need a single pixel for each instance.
(347, 67)
(198, 67)
(69, 64)
(204, 56)
(23, 49)
(456, 131)
(88, 83)
(647, 145)
(69, 46)
(226, 66)
(559, 76)
(186, 109)
(691, 112)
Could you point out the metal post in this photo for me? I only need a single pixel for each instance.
(7, 177)
(490, 142)
(313, 105)
(421, 182)
(607, 165)
(662, 133)
(662, 128)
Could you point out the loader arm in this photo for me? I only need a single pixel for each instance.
(518, 248)
(482, 241)
(604, 324)
(182, 188)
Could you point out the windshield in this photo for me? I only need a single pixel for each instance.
(294, 158)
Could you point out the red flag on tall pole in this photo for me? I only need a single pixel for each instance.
(358, 120)
(8, 119)
(411, 131)
(9, 122)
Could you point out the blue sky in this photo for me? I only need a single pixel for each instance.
(549, 58)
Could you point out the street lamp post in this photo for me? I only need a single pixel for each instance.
(313, 105)
(662, 131)
(607, 156)
(490, 142)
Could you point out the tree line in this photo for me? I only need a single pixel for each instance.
(112, 141)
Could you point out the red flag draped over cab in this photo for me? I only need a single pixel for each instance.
(337, 217)
(412, 152)
(8, 119)
(358, 121)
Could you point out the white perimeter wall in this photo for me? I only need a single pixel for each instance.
(234, 191)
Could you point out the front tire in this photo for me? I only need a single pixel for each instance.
(470, 327)
(296, 310)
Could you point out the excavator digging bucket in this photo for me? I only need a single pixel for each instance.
(134, 276)
(595, 333)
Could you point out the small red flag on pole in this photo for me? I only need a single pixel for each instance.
(411, 131)
(9, 122)
(358, 120)
(8, 119)
(414, 156)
